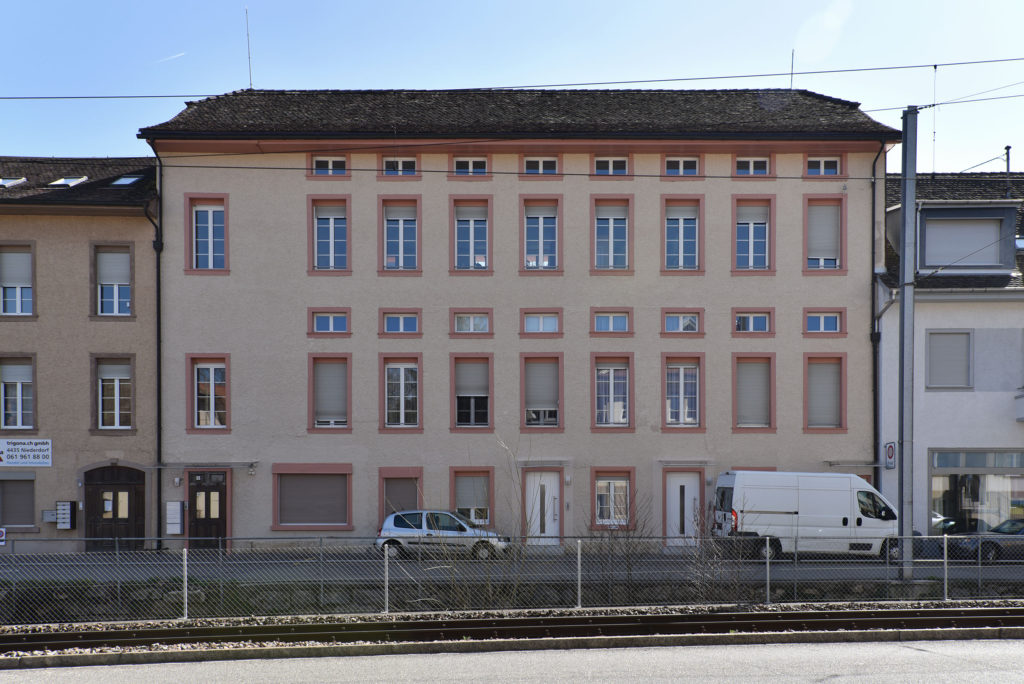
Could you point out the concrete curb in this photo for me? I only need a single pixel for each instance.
(365, 649)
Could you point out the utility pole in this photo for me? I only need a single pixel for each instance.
(908, 270)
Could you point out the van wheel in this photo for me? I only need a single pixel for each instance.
(770, 551)
(989, 553)
(483, 551)
(890, 551)
(392, 549)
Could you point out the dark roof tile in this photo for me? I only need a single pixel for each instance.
(97, 190)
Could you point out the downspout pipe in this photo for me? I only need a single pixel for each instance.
(158, 248)
(876, 334)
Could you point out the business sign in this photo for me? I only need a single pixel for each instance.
(890, 455)
(26, 452)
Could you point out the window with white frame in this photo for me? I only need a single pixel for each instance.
(329, 322)
(470, 167)
(113, 282)
(115, 395)
(752, 166)
(753, 322)
(402, 395)
(331, 237)
(753, 393)
(824, 322)
(541, 239)
(16, 281)
(401, 323)
(681, 393)
(823, 235)
(611, 237)
(681, 237)
(965, 242)
(949, 359)
(823, 166)
(682, 323)
(541, 166)
(540, 401)
(472, 390)
(540, 323)
(330, 393)
(11, 181)
(752, 237)
(612, 394)
(399, 167)
(16, 394)
(824, 393)
(472, 323)
(611, 322)
(400, 237)
(208, 237)
(610, 166)
(329, 166)
(68, 181)
(470, 237)
(681, 166)
(472, 497)
(210, 383)
(611, 500)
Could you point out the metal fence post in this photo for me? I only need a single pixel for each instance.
(768, 569)
(117, 573)
(184, 583)
(945, 567)
(321, 567)
(579, 573)
(386, 580)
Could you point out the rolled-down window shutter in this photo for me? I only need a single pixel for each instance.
(330, 390)
(542, 385)
(612, 211)
(330, 211)
(823, 394)
(113, 267)
(823, 231)
(312, 499)
(753, 394)
(681, 211)
(15, 371)
(16, 268)
(962, 242)
(471, 491)
(119, 371)
(949, 363)
(470, 211)
(17, 502)
(536, 210)
(399, 211)
(471, 379)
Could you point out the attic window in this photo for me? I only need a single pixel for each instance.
(127, 180)
(11, 182)
(67, 181)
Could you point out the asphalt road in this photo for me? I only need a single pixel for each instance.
(914, 661)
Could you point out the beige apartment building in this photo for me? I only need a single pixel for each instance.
(557, 312)
(78, 332)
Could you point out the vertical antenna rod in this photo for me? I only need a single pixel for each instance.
(248, 46)
(792, 59)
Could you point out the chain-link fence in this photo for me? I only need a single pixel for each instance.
(143, 579)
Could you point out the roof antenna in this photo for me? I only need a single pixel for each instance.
(792, 58)
(248, 46)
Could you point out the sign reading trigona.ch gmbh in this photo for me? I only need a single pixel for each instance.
(26, 452)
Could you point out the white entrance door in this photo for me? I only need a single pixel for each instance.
(682, 499)
(543, 499)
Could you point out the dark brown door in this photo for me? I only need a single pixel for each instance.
(115, 508)
(207, 517)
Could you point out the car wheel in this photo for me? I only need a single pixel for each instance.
(770, 551)
(392, 549)
(989, 553)
(483, 551)
(890, 551)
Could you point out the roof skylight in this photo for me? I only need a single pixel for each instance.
(67, 181)
(127, 180)
(10, 182)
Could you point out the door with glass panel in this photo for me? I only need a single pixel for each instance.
(115, 509)
(542, 502)
(207, 511)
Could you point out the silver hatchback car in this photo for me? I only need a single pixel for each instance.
(435, 531)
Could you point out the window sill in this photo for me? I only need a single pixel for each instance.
(540, 176)
(825, 431)
(612, 428)
(611, 271)
(753, 334)
(470, 271)
(313, 430)
(329, 271)
(736, 430)
(467, 336)
(680, 177)
(824, 272)
(208, 271)
(208, 431)
(480, 429)
(113, 432)
(682, 271)
(398, 177)
(400, 429)
(400, 272)
(752, 272)
(969, 388)
(399, 336)
(609, 176)
(541, 429)
(820, 177)
(15, 433)
(309, 527)
(328, 334)
(541, 272)
(692, 429)
(627, 333)
(824, 335)
(329, 176)
(612, 527)
(19, 317)
(108, 317)
(755, 177)
(678, 335)
(470, 177)
(541, 335)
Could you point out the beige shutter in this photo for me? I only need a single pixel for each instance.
(539, 210)
(317, 499)
(542, 385)
(823, 231)
(752, 213)
(15, 371)
(16, 267)
(962, 242)
(332, 211)
(399, 211)
(113, 267)
(330, 391)
(681, 211)
(470, 211)
(753, 394)
(471, 378)
(612, 211)
(471, 491)
(823, 395)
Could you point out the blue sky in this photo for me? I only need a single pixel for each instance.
(119, 47)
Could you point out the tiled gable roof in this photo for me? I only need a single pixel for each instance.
(651, 114)
(95, 191)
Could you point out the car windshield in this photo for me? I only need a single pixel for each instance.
(463, 519)
(1009, 527)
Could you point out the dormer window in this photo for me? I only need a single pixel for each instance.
(67, 181)
(961, 239)
(10, 182)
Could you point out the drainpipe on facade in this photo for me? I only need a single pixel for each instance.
(158, 248)
(876, 334)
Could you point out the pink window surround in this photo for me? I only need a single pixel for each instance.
(452, 176)
(227, 505)
(630, 168)
(698, 312)
(191, 360)
(524, 528)
(626, 359)
(738, 358)
(96, 248)
(769, 310)
(486, 471)
(531, 357)
(311, 426)
(760, 469)
(683, 200)
(525, 200)
(833, 199)
(754, 200)
(399, 177)
(401, 312)
(827, 357)
(278, 469)
(312, 201)
(313, 310)
(843, 169)
(595, 310)
(600, 472)
(840, 310)
(612, 200)
(488, 359)
(94, 362)
(471, 312)
(455, 201)
(756, 155)
(412, 472)
(681, 177)
(540, 176)
(30, 247)
(383, 359)
(555, 311)
(310, 156)
(399, 201)
(697, 358)
(665, 472)
(195, 199)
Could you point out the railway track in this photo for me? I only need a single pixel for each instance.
(427, 630)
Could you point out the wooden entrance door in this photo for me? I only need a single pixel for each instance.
(207, 509)
(115, 508)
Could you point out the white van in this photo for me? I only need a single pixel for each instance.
(809, 512)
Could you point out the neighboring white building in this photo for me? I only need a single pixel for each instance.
(969, 350)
